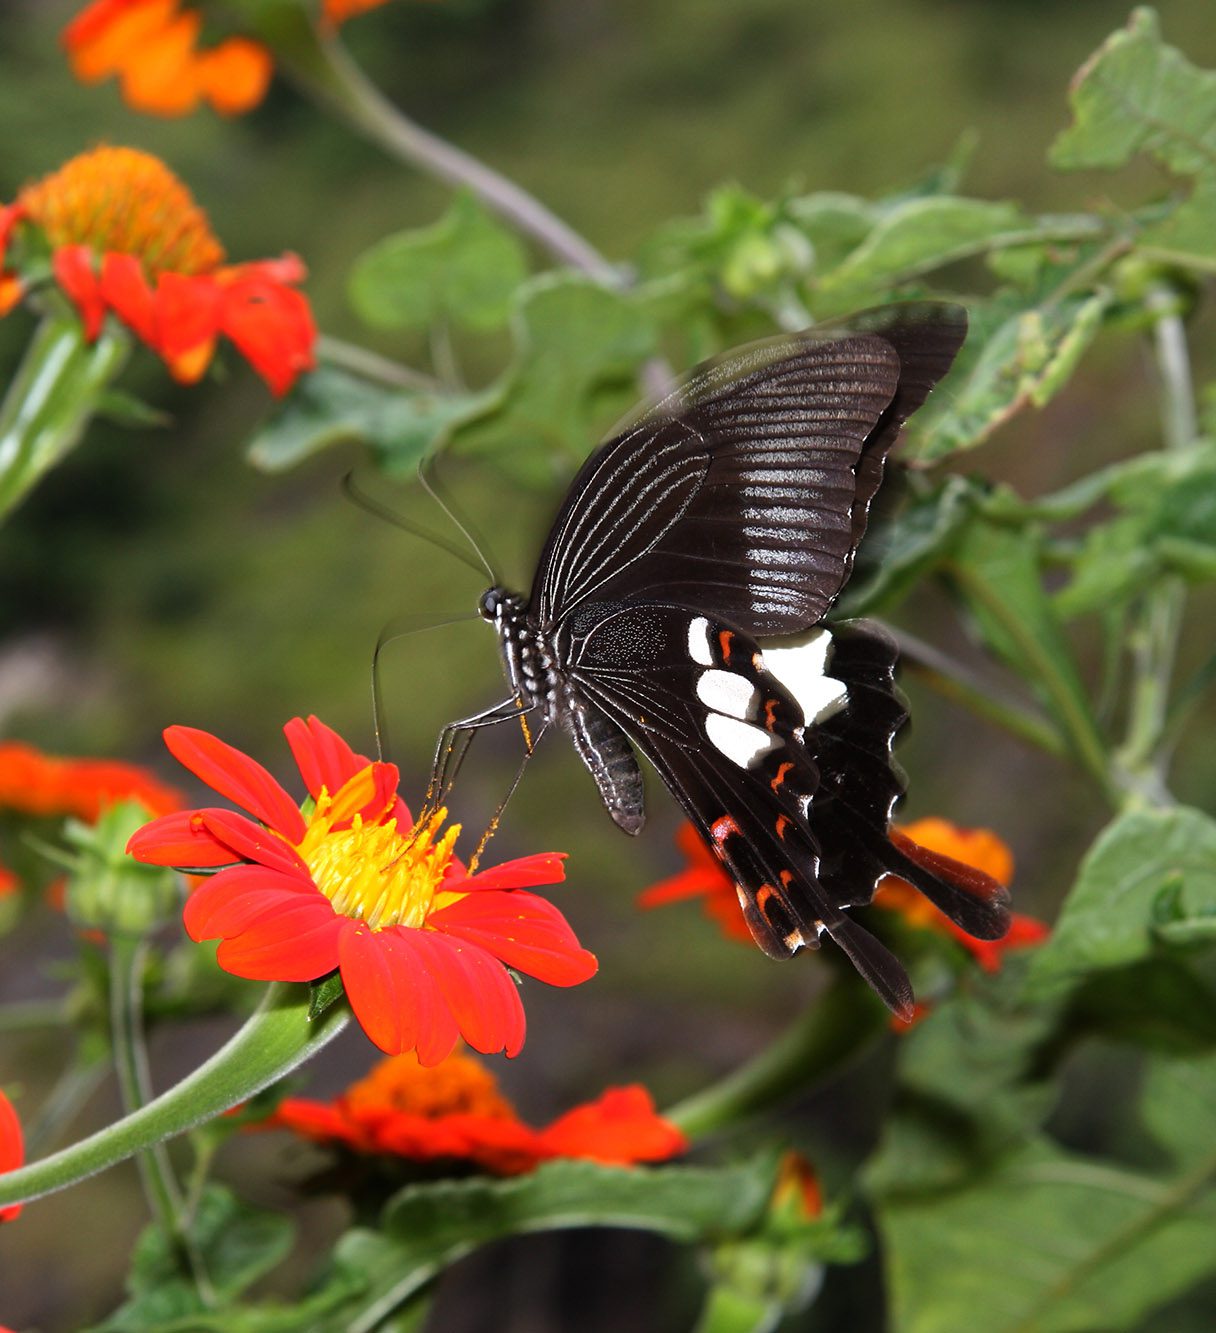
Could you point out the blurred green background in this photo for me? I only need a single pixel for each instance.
(156, 578)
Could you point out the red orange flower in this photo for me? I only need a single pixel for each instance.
(705, 878)
(974, 847)
(354, 884)
(454, 1111)
(12, 1150)
(127, 239)
(38, 784)
(338, 11)
(152, 47)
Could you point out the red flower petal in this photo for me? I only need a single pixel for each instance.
(397, 1001)
(272, 326)
(322, 756)
(12, 1150)
(73, 269)
(125, 290)
(481, 995)
(620, 1126)
(313, 1120)
(238, 777)
(234, 899)
(297, 939)
(180, 839)
(252, 842)
(525, 872)
(187, 313)
(524, 931)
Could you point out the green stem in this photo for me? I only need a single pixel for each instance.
(127, 957)
(51, 399)
(371, 366)
(33, 1014)
(952, 681)
(273, 1041)
(322, 65)
(829, 1035)
(1143, 757)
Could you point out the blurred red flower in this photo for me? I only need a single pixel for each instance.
(126, 238)
(704, 878)
(454, 1111)
(423, 946)
(34, 783)
(12, 1150)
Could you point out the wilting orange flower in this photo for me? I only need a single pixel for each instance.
(355, 885)
(152, 47)
(454, 1111)
(797, 1194)
(127, 239)
(705, 878)
(12, 1150)
(34, 783)
(974, 847)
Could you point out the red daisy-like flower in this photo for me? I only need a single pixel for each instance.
(705, 878)
(423, 946)
(454, 1111)
(12, 1150)
(126, 239)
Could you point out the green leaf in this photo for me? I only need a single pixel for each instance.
(428, 1226)
(1137, 95)
(972, 1084)
(1014, 358)
(897, 555)
(579, 350)
(1051, 1242)
(332, 406)
(921, 234)
(1179, 1106)
(464, 269)
(996, 570)
(1108, 919)
(234, 1245)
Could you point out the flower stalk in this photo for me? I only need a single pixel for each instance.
(829, 1035)
(51, 399)
(276, 1039)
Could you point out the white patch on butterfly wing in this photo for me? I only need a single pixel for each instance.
(729, 693)
(740, 742)
(802, 669)
(699, 647)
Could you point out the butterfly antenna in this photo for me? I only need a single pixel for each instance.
(399, 628)
(360, 497)
(462, 526)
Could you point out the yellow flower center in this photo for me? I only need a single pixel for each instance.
(119, 199)
(372, 872)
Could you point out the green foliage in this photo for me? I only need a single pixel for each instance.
(229, 1246)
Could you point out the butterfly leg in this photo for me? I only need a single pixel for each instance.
(454, 741)
(533, 740)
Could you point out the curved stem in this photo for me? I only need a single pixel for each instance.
(830, 1034)
(326, 70)
(273, 1041)
(1158, 624)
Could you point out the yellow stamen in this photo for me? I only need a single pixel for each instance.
(373, 872)
(122, 200)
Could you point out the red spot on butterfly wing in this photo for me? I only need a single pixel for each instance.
(779, 778)
(725, 639)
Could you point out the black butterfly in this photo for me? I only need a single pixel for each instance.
(724, 517)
